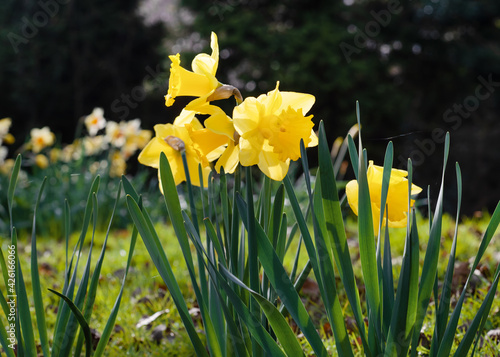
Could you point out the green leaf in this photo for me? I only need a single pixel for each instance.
(9, 352)
(429, 268)
(35, 282)
(279, 324)
(92, 290)
(336, 232)
(108, 329)
(64, 313)
(479, 320)
(174, 211)
(23, 308)
(81, 320)
(157, 254)
(444, 302)
(446, 344)
(403, 314)
(282, 284)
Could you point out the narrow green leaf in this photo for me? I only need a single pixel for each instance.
(353, 154)
(403, 315)
(258, 332)
(477, 324)
(35, 282)
(429, 267)
(446, 344)
(282, 284)
(4, 339)
(23, 309)
(280, 326)
(110, 324)
(336, 232)
(92, 290)
(151, 241)
(64, 313)
(444, 302)
(81, 320)
(174, 210)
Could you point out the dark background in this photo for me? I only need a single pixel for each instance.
(418, 69)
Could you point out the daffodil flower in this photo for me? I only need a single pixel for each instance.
(200, 145)
(271, 128)
(95, 121)
(397, 197)
(200, 82)
(41, 138)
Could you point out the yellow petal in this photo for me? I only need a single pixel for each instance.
(272, 166)
(249, 150)
(186, 83)
(150, 155)
(207, 141)
(246, 116)
(229, 159)
(297, 101)
(185, 117)
(313, 140)
(351, 190)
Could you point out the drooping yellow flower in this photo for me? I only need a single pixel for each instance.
(200, 82)
(270, 129)
(95, 121)
(397, 197)
(186, 134)
(41, 138)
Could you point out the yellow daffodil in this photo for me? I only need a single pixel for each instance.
(118, 165)
(93, 145)
(397, 197)
(270, 129)
(41, 161)
(186, 134)
(200, 82)
(95, 121)
(6, 166)
(5, 137)
(41, 138)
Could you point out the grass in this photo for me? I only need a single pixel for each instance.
(146, 294)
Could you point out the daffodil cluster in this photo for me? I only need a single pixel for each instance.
(116, 142)
(265, 131)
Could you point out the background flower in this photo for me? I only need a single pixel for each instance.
(397, 197)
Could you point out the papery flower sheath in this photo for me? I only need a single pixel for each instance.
(397, 197)
(271, 128)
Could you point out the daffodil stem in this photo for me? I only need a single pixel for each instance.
(253, 264)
